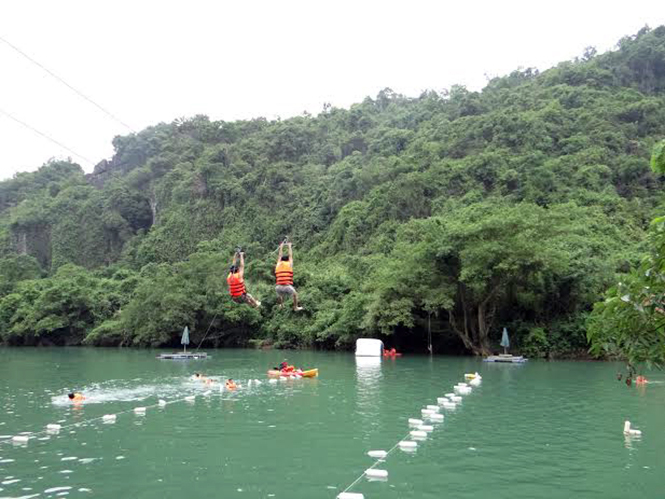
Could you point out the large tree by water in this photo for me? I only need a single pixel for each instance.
(630, 323)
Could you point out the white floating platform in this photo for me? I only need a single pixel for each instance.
(512, 359)
(350, 495)
(183, 356)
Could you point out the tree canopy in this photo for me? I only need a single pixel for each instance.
(516, 206)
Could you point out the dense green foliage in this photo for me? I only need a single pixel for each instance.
(516, 206)
(630, 323)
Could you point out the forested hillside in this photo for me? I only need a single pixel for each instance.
(517, 206)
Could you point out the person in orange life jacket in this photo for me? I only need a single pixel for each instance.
(236, 281)
(284, 275)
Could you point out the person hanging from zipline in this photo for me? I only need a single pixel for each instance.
(284, 276)
(236, 281)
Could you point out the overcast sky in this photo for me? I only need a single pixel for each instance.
(148, 61)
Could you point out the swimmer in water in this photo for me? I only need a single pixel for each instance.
(230, 384)
(76, 397)
(641, 380)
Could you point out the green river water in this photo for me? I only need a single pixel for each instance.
(543, 429)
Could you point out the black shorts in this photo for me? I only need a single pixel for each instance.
(240, 299)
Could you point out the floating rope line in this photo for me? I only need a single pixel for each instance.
(24, 437)
(462, 391)
(377, 462)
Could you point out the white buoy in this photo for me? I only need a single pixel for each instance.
(418, 434)
(282, 378)
(475, 381)
(450, 395)
(272, 380)
(373, 473)
(53, 427)
(139, 410)
(437, 418)
(191, 398)
(20, 439)
(350, 495)
(456, 398)
(465, 390)
(449, 406)
(441, 400)
(408, 444)
(426, 412)
(415, 422)
(378, 454)
(161, 403)
(425, 427)
(109, 418)
(257, 382)
(434, 408)
(627, 430)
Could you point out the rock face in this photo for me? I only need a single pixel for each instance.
(34, 240)
(104, 171)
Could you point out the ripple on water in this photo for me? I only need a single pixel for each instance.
(56, 489)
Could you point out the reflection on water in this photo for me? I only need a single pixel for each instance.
(368, 376)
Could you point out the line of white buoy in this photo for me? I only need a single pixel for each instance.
(418, 431)
(54, 428)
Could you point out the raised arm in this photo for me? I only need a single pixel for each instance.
(235, 256)
(290, 254)
(279, 254)
(241, 270)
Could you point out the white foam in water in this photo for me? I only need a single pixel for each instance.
(69, 458)
(124, 391)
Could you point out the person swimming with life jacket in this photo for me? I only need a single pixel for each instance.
(203, 379)
(76, 397)
(284, 277)
(236, 282)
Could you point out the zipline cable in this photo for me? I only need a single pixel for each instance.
(204, 336)
(72, 88)
(44, 135)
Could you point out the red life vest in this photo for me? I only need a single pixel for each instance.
(236, 285)
(284, 274)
